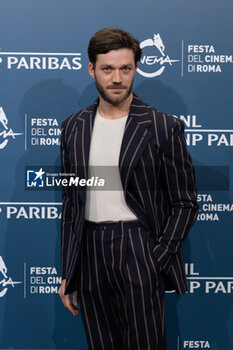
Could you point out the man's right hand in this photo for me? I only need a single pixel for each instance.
(66, 299)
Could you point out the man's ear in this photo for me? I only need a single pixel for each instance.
(91, 70)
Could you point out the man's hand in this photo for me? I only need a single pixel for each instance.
(66, 299)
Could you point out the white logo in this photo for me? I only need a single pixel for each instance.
(190, 344)
(41, 60)
(6, 132)
(6, 280)
(154, 60)
(35, 178)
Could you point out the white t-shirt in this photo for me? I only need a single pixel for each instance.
(110, 204)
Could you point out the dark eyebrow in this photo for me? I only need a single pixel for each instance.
(112, 67)
(127, 65)
(106, 65)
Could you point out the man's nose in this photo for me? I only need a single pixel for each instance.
(116, 78)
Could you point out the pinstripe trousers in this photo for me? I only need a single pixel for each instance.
(121, 289)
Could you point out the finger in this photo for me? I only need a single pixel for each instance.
(75, 298)
(69, 306)
(66, 300)
(73, 310)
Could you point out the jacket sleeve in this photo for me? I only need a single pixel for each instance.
(67, 204)
(179, 186)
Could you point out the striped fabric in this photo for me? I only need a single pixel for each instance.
(121, 289)
(158, 179)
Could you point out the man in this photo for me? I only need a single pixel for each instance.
(122, 249)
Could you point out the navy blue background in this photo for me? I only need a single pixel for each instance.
(39, 320)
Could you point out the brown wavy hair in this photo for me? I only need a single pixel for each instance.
(108, 39)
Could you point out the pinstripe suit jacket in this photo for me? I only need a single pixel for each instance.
(158, 181)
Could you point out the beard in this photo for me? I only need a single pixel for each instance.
(113, 100)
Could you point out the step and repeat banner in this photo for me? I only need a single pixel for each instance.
(186, 70)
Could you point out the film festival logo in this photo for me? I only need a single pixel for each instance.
(5, 132)
(153, 62)
(6, 281)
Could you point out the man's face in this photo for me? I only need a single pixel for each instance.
(114, 73)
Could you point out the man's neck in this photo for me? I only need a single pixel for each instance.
(107, 110)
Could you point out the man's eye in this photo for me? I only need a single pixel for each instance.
(126, 69)
(106, 69)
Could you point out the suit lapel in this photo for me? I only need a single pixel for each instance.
(85, 124)
(136, 137)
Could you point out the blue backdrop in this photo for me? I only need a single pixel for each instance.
(186, 70)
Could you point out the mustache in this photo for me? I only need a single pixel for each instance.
(116, 86)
